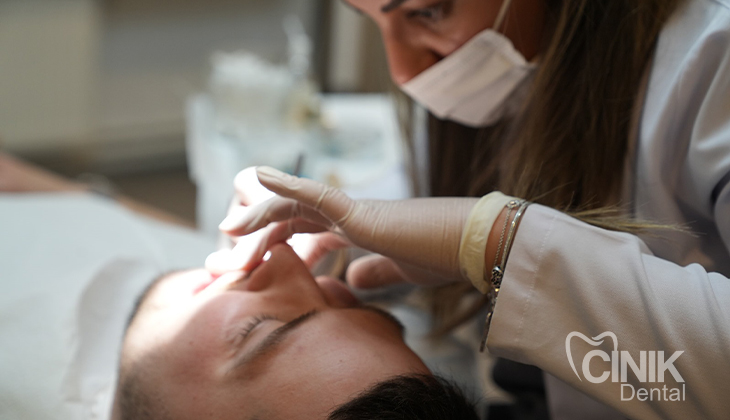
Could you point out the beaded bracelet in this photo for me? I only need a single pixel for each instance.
(500, 264)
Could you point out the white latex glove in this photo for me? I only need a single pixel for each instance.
(243, 253)
(419, 240)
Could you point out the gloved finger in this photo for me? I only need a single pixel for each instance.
(309, 246)
(334, 204)
(250, 249)
(226, 241)
(243, 220)
(375, 271)
(239, 257)
(248, 189)
(221, 282)
(301, 234)
(317, 246)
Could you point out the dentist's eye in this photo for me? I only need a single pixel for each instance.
(255, 322)
(433, 13)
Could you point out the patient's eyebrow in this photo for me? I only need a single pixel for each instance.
(276, 337)
(268, 344)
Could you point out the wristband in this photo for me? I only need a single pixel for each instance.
(474, 238)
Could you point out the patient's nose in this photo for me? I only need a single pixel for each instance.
(283, 269)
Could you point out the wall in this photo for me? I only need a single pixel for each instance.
(48, 72)
(105, 82)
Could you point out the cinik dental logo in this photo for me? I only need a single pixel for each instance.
(650, 369)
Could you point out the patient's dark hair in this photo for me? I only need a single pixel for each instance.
(419, 397)
(412, 397)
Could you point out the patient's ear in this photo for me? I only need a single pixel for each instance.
(336, 293)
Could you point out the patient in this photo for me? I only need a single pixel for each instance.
(277, 344)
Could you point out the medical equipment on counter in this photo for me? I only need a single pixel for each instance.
(358, 146)
(260, 113)
(255, 102)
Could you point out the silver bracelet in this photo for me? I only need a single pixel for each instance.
(497, 273)
(511, 236)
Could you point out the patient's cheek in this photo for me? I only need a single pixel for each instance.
(201, 334)
(179, 288)
(336, 293)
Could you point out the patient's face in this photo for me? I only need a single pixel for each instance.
(277, 344)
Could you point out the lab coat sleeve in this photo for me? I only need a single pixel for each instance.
(566, 276)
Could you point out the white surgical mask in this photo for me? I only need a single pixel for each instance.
(473, 85)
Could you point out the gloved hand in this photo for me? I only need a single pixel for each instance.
(418, 240)
(242, 253)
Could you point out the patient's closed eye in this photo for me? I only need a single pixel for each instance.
(255, 322)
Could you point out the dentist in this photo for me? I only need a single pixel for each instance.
(612, 119)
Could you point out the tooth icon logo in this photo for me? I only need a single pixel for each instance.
(646, 366)
(596, 341)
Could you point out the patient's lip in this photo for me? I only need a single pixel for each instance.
(204, 284)
(225, 281)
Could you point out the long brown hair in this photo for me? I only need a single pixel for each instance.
(567, 147)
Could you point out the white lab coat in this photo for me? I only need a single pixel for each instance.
(654, 294)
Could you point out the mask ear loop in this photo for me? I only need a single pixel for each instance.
(502, 14)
